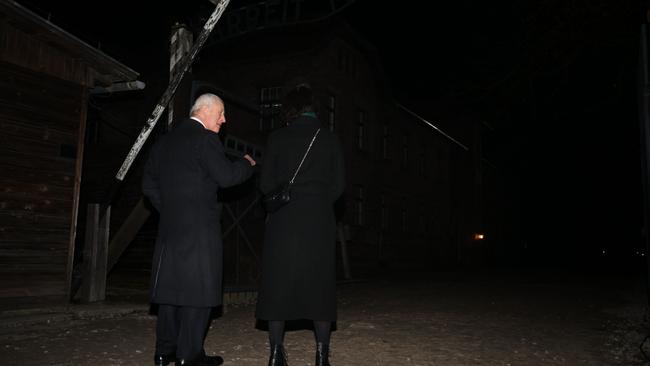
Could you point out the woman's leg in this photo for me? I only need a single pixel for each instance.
(276, 332)
(276, 340)
(322, 330)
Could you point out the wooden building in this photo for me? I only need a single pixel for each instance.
(45, 78)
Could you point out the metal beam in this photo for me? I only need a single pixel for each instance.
(433, 126)
(171, 89)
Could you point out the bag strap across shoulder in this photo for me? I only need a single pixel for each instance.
(304, 156)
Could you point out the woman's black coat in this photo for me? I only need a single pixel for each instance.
(299, 259)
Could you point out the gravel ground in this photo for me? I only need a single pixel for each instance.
(433, 319)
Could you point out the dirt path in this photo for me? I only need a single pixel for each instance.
(445, 319)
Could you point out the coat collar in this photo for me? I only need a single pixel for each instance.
(305, 120)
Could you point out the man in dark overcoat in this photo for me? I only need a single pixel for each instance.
(181, 178)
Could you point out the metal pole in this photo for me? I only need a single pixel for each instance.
(344, 251)
(171, 89)
(433, 126)
(179, 45)
(237, 251)
(644, 129)
(644, 126)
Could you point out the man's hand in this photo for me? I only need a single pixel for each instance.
(250, 160)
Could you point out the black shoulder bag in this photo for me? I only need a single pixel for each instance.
(281, 195)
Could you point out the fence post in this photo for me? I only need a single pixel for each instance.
(344, 252)
(95, 254)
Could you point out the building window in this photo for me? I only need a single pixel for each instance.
(404, 216)
(423, 165)
(346, 62)
(358, 206)
(331, 112)
(405, 152)
(423, 220)
(384, 143)
(360, 130)
(344, 59)
(439, 166)
(384, 212)
(236, 147)
(270, 108)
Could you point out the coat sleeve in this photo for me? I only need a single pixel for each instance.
(338, 171)
(268, 172)
(214, 161)
(151, 178)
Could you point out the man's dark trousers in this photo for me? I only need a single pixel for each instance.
(181, 330)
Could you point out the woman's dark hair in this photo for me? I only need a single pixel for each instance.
(297, 101)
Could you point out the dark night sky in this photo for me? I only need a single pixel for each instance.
(575, 154)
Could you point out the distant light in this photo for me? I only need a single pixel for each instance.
(603, 251)
(479, 236)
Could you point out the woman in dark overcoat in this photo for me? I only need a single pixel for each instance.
(298, 266)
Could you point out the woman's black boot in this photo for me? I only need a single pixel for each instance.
(322, 354)
(278, 356)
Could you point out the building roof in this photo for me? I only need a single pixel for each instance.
(107, 69)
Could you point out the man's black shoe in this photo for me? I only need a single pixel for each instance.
(201, 361)
(163, 360)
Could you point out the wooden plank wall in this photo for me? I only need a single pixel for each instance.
(39, 123)
(31, 50)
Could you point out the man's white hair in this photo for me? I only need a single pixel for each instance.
(204, 100)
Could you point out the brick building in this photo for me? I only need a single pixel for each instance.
(397, 206)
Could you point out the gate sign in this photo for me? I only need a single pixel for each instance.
(275, 13)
